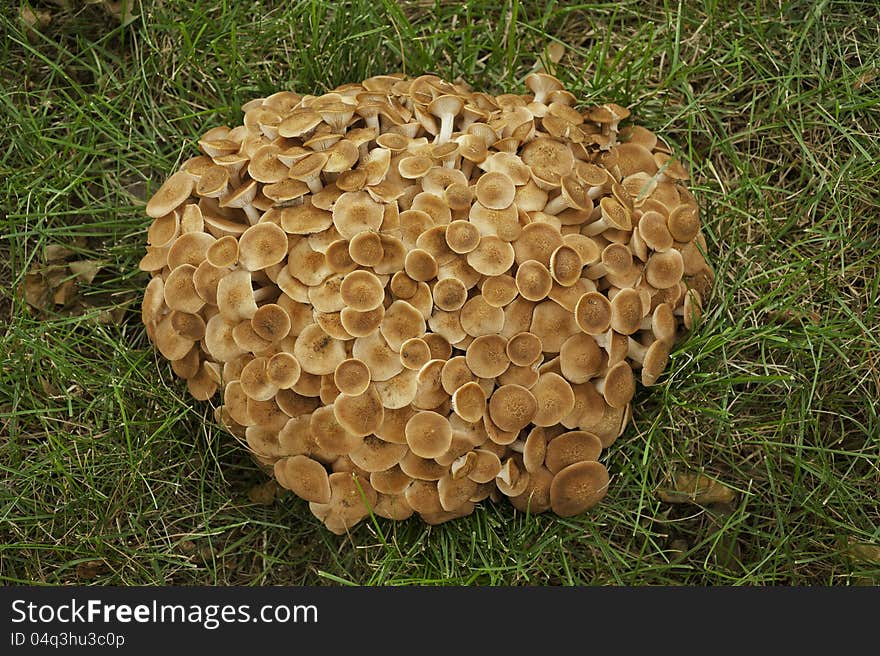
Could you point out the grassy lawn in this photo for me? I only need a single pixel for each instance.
(111, 474)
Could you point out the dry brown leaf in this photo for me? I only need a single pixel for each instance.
(85, 270)
(36, 291)
(55, 253)
(65, 292)
(869, 553)
(91, 569)
(263, 494)
(693, 487)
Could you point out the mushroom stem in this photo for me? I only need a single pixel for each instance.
(635, 350)
(596, 227)
(556, 205)
(446, 123)
(518, 446)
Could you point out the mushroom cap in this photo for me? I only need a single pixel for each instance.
(626, 311)
(578, 487)
(469, 401)
(499, 291)
(487, 356)
(352, 377)
(317, 352)
(654, 362)
(571, 447)
(401, 322)
(356, 211)
(593, 313)
(351, 498)
(305, 477)
(492, 256)
(362, 290)
(580, 358)
(524, 349)
(619, 385)
(173, 192)
(414, 353)
(683, 223)
(512, 407)
(565, 265)
(462, 236)
(535, 498)
(533, 280)
(359, 414)
(664, 269)
(555, 399)
(373, 454)
(495, 190)
(428, 434)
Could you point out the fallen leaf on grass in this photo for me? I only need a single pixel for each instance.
(263, 494)
(91, 569)
(693, 487)
(85, 270)
(864, 551)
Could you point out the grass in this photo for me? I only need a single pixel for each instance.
(111, 474)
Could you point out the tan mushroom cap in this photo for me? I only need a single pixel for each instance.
(223, 252)
(365, 248)
(255, 382)
(513, 479)
(428, 434)
(538, 241)
(481, 468)
(414, 353)
(524, 349)
(462, 236)
(420, 265)
(626, 311)
(352, 377)
(317, 352)
(283, 370)
(191, 248)
(571, 447)
(512, 407)
(305, 477)
(180, 290)
(356, 211)
(374, 454)
(663, 270)
(566, 265)
(401, 322)
(618, 385)
(654, 362)
(348, 493)
(593, 313)
(173, 192)
(535, 498)
(469, 401)
(235, 296)
(361, 414)
(375, 352)
(503, 223)
(455, 492)
(271, 322)
(578, 487)
(533, 280)
(499, 291)
(165, 229)
(361, 324)
(549, 159)
(553, 324)
(449, 294)
(362, 291)
(492, 257)
(580, 358)
(555, 399)
(487, 356)
(390, 481)
(495, 190)
(683, 223)
(479, 318)
(654, 231)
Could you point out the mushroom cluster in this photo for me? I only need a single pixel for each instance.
(413, 296)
